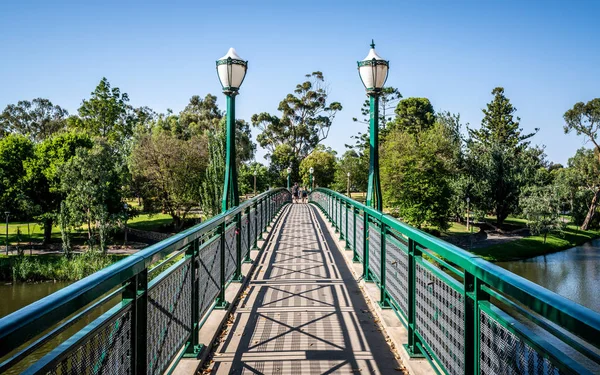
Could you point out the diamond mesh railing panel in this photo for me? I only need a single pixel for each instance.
(396, 275)
(210, 273)
(107, 350)
(169, 317)
(374, 250)
(244, 235)
(440, 319)
(359, 235)
(230, 253)
(503, 352)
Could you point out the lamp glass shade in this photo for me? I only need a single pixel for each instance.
(289, 170)
(373, 70)
(348, 174)
(311, 170)
(231, 70)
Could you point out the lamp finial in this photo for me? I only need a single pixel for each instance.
(372, 43)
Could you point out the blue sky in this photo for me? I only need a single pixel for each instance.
(545, 54)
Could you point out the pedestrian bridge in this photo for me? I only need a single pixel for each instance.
(327, 287)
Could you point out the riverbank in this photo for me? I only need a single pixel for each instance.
(44, 267)
(533, 246)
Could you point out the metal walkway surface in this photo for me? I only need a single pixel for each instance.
(303, 312)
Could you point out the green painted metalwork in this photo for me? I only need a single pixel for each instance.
(231, 196)
(374, 198)
(174, 298)
(467, 315)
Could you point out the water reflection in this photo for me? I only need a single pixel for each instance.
(573, 273)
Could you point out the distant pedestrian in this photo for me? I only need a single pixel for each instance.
(304, 195)
(295, 192)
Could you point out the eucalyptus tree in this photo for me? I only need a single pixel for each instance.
(38, 119)
(584, 119)
(305, 120)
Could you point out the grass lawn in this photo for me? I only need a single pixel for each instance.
(143, 222)
(457, 229)
(534, 245)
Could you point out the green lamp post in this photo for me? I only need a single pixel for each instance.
(289, 171)
(310, 183)
(231, 70)
(373, 71)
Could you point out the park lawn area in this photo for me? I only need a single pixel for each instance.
(143, 222)
(457, 229)
(511, 220)
(532, 246)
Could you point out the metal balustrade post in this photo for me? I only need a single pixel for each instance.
(237, 276)
(473, 295)
(255, 223)
(193, 346)
(221, 303)
(413, 341)
(262, 220)
(137, 293)
(341, 219)
(265, 215)
(249, 241)
(347, 207)
(366, 271)
(355, 257)
(384, 302)
(335, 214)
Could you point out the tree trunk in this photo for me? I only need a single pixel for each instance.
(591, 211)
(47, 231)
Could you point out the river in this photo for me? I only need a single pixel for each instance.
(572, 273)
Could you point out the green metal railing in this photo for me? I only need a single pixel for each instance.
(464, 314)
(163, 295)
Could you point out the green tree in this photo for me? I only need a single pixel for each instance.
(306, 117)
(542, 206)
(213, 182)
(42, 179)
(584, 118)
(37, 119)
(15, 149)
(416, 170)
(414, 115)
(359, 172)
(91, 185)
(583, 175)
(323, 161)
(499, 159)
(106, 114)
(171, 170)
(246, 178)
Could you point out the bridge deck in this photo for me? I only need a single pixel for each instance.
(303, 312)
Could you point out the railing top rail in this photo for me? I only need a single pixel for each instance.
(578, 319)
(26, 322)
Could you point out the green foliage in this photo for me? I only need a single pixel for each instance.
(106, 114)
(246, 178)
(414, 115)
(305, 120)
(324, 163)
(415, 175)
(91, 186)
(359, 172)
(500, 162)
(542, 208)
(584, 118)
(14, 150)
(172, 170)
(38, 119)
(213, 182)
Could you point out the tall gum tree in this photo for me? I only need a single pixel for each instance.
(584, 119)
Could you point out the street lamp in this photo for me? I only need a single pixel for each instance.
(468, 200)
(231, 70)
(348, 174)
(125, 207)
(7, 213)
(373, 71)
(310, 183)
(255, 173)
(289, 171)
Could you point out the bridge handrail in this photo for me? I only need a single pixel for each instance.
(24, 324)
(480, 279)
